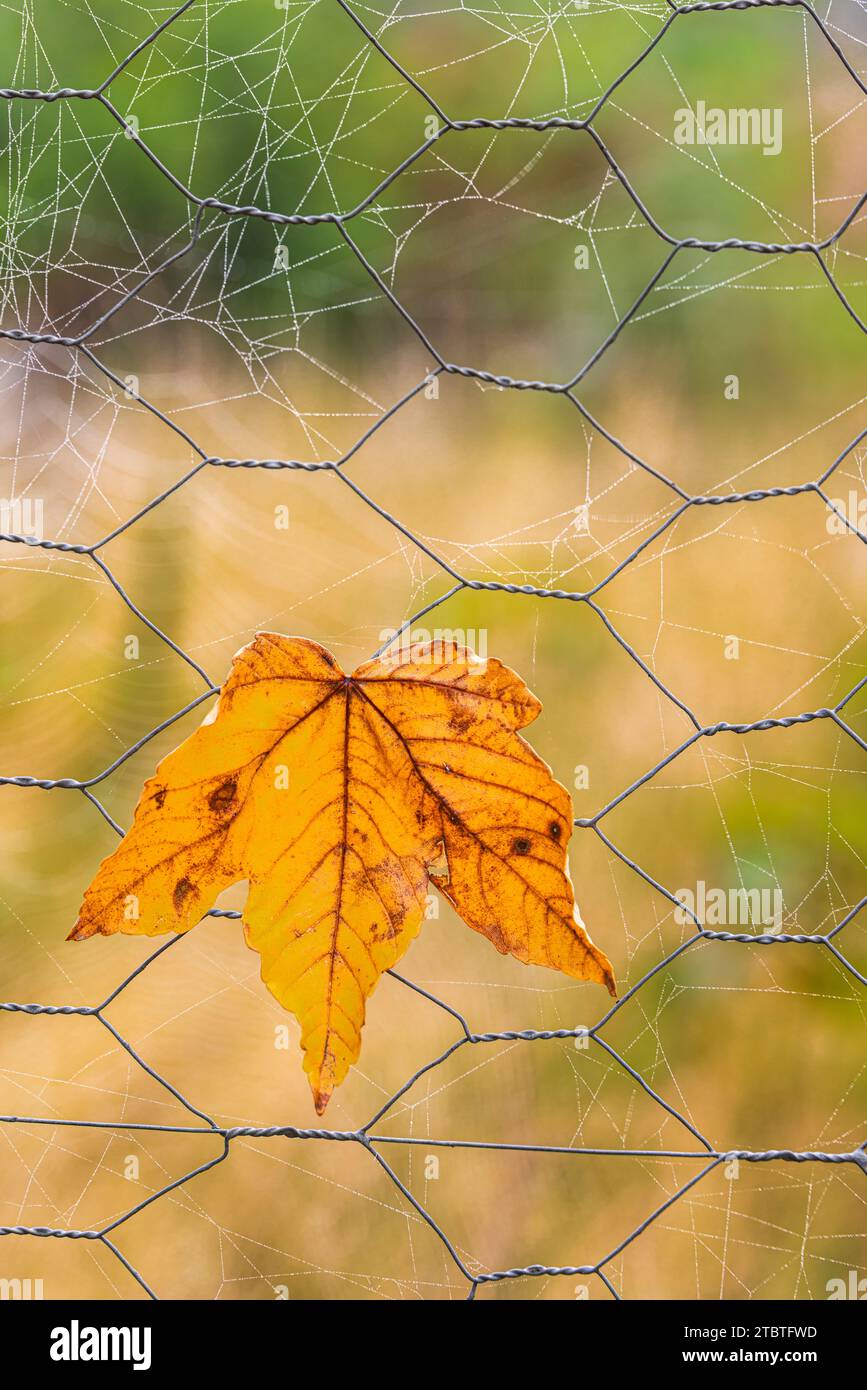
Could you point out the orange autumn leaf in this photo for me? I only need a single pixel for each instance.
(337, 797)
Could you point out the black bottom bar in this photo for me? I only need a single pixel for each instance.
(62, 1339)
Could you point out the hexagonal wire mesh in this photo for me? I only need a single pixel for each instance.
(366, 1137)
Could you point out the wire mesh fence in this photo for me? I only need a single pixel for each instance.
(699, 1155)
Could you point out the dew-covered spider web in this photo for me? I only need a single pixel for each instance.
(539, 326)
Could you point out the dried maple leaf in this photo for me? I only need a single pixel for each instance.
(336, 797)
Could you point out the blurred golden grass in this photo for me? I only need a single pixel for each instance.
(756, 1046)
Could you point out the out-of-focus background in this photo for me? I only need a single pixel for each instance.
(516, 252)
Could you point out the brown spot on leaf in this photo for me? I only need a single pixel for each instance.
(222, 797)
(460, 721)
(183, 889)
(521, 845)
(495, 936)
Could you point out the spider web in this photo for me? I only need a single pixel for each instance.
(355, 321)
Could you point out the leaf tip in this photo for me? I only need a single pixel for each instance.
(604, 972)
(320, 1100)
